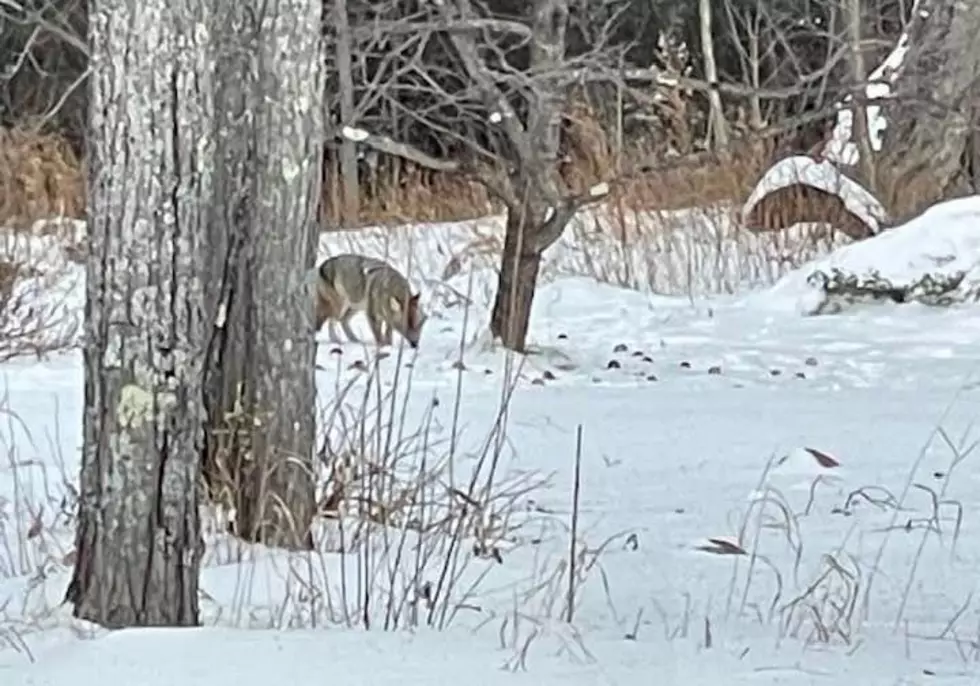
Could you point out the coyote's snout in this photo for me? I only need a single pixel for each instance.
(350, 283)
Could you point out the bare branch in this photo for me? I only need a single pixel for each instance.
(405, 151)
(448, 25)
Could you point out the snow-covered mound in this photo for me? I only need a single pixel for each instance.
(822, 175)
(934, 258)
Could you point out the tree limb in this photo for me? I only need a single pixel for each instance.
(449, 25)
(390, 146)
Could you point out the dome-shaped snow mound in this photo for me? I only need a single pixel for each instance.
(932, 259)
(800, 189)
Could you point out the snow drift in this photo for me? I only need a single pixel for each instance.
(932, 259)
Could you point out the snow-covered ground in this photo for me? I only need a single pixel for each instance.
(764, 497)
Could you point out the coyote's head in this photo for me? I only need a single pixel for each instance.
(412, 319)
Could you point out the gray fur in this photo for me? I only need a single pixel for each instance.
(350, 283)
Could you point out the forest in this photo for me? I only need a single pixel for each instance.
(645, 84)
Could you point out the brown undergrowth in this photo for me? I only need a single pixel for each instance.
(413, 195)
(41, 177)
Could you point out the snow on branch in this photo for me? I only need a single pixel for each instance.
(389, 146)
(841, 148)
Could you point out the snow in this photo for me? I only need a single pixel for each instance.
(834, 453)
(693, 252)
(944, 241)
(356, 135)
(823, 175)
(599, 190)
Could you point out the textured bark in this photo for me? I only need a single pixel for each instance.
(261, 386)
(150, 153)
(519, 268)
(229, 359)
(928, 145)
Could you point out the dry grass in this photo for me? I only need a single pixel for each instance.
(413, 195)
(825, 597)
(413, 526)
(40, 178)
(675, 231)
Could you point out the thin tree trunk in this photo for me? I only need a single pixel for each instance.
(138, 545)
(718, 129)
(262, 397)
(755, 65)
(859, 112)
(350, 193)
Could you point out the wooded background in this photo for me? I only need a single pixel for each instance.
(641, 78)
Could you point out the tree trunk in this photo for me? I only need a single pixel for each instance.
(518, 280)
(262, 393)
(350, 187)
(229, 358)
(935, 106)
(537, 214)
(718, 127)
(860, 133)
(138, 545)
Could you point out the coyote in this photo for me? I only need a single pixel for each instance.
(348, 283)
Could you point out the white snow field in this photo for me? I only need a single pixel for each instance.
(763, 497)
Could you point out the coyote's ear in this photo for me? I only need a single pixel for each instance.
(396, 306)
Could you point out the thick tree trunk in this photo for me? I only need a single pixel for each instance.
(518, 280)
(229, 357)
(261, 396)
(935, 108)
(138, 545)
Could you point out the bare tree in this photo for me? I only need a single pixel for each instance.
(43, 63)
(790, 66)
(138, 543)
(500, 121)
(519, 166)
(538, 207)
(260, 381)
